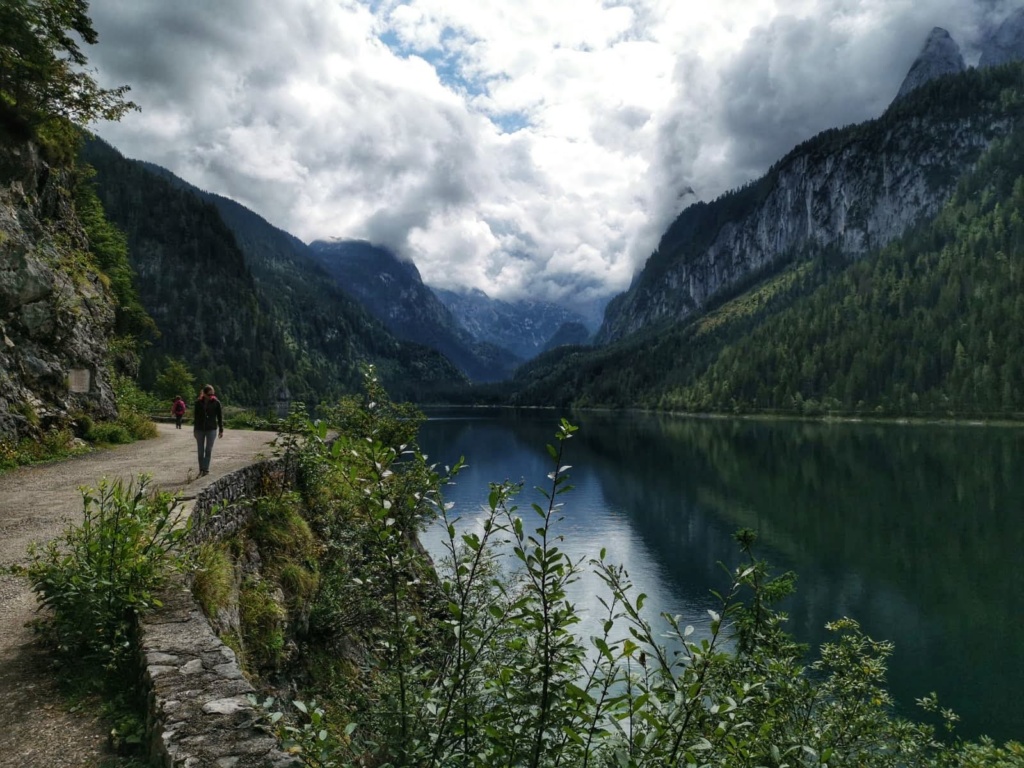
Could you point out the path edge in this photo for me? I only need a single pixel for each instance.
(198, 709)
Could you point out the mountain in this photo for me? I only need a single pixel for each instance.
(853, 190)
(922, 321)
(571, 333)
(243, 304)
(393, 291)
(525, 327)
(939, 56)
(57, 311)
(1005, 43)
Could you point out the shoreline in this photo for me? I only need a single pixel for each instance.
(1001, 422)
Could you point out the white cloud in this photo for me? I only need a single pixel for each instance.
(534, 148)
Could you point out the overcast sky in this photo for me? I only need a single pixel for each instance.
(529, 148)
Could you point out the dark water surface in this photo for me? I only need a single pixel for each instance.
(915, 531)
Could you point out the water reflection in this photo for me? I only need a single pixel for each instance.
(914, 531)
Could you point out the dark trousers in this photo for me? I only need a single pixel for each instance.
(177, 421)
(204, 444)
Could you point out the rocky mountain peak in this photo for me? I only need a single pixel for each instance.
(939, 56)
(1005, 43)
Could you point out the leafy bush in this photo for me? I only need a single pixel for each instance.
(109, 432)
(102, 573)
(484, 667)
(247, 420)
(54, 444)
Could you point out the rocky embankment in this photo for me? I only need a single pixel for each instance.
(56, 312)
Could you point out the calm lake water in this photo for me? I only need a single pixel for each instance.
(915, 531)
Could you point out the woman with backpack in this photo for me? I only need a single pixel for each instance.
(178, 411)
(209, 425)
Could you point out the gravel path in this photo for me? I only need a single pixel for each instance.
(36, 730)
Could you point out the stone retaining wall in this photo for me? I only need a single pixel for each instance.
(221, 509)
(199, 714)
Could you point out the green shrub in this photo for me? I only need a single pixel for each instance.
(99, 575)
(243, 419)
(213, 578)
(53, 444)
(499, 675)
(263, 624)
(109, 433)
(137, 425)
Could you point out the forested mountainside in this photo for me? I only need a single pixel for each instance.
(393, 291)
(852, 189)
(524, 327)
(568, 333)
(930, 324)
(239, 301)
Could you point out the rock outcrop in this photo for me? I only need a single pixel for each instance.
(850, 190)
(939, 56)
(56, 312)
(1006, 43)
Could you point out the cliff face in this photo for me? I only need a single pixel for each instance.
(852, 190)
(56, 312)
(939, 56)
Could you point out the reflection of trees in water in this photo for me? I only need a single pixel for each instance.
(915, 531)
(933, 510)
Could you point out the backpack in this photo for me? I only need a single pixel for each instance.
(178, 408)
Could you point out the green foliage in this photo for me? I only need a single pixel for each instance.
(102, 573)
(52, 444)
(133, 422)
(109, 433)
(213, 577)
(484, 665)
(44, 86)
(175, 380)
(263, 624)
(108, 248)
(247, 419)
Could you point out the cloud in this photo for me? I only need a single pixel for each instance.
(531, 149)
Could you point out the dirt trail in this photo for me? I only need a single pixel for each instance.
(36, 731)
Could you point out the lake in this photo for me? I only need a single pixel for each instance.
(917, 532)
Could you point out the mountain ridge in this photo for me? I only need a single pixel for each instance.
(392, 290)
(855, 189)
(524, 327)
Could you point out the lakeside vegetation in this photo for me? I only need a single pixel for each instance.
(469, 662)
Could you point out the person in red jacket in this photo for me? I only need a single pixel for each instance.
(178, 411)
(209, 425)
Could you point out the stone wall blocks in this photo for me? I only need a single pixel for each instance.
(202, 712)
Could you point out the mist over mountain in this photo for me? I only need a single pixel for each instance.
(525, 327)
(392, 290)
(940, 56)
(729, 312)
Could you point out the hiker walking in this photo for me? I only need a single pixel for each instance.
(178, 411)
(209, 425)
